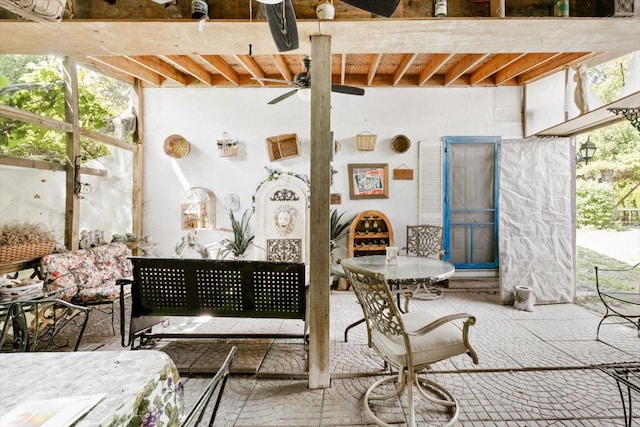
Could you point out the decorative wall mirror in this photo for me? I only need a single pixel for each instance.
(198, 209)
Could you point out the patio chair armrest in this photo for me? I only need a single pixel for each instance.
(64, 303)
(618, 269)
(471, 320)
(124, 282)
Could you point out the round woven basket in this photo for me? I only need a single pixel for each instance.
(400, 143)
(176, 146)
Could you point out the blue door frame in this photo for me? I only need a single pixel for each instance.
(447, 211)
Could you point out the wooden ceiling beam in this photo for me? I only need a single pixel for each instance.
(373, 68)
(343, 67)
(127, 66)
(106, 70)
(77, 37)
(223, 68)
(159, 66)
(190, 66)
(461, 68)
(282, 67)
(494, 65)
(407, 60)
(522, 65)
(561, 61)
(434, 64)
(252, 67)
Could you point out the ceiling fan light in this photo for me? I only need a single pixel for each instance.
(171, 10)
(270, 1)
(304, 94)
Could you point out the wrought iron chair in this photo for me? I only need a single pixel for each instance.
(622, 304)
(425, 241)
(37, 325)
(409, 343)
(214, 388)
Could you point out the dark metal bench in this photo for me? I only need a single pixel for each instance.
(163, 287)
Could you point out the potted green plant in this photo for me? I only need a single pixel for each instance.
(338, 229)
(242, 238)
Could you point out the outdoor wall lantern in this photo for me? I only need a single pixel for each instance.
(587, 150)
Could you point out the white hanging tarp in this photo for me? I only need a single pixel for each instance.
(536, 224)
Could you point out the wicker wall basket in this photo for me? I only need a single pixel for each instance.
(366, 141)
(400, 143)
(282, 147)
(26, 251)
(228, 146)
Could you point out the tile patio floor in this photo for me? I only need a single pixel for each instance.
(536, 369)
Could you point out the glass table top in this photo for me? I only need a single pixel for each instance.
(407, 268)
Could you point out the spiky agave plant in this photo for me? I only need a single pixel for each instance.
(338, 229)
(242, 238)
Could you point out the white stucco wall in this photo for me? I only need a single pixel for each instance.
(202, 115)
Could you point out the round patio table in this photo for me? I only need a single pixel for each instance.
(409, 270)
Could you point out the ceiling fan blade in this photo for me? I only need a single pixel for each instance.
(351, 90)
(379, 7)
(282, 97)
(282, 24)
(266, 79)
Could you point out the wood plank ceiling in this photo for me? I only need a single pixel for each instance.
(375, 69)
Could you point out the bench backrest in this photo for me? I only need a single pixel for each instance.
(192, 287)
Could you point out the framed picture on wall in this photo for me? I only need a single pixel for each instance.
(368, 180)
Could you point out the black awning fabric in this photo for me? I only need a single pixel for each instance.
(284, 31)
(379, 7)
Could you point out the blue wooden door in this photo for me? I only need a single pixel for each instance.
(471, 201)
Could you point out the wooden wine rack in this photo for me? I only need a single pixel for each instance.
(370, 234)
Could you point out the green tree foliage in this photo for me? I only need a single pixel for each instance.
(594, 204)
(615, 169)
(607, 79)
(34, 84)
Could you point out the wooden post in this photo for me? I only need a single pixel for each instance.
(319, 370)
(72, 204)
(138, 165)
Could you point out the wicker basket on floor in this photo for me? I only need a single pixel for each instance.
(25, 251)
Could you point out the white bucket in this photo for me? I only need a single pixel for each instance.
(523, 298)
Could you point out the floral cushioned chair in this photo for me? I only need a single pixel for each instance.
(88, 276)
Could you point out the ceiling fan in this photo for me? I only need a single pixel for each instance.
(303, 81)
